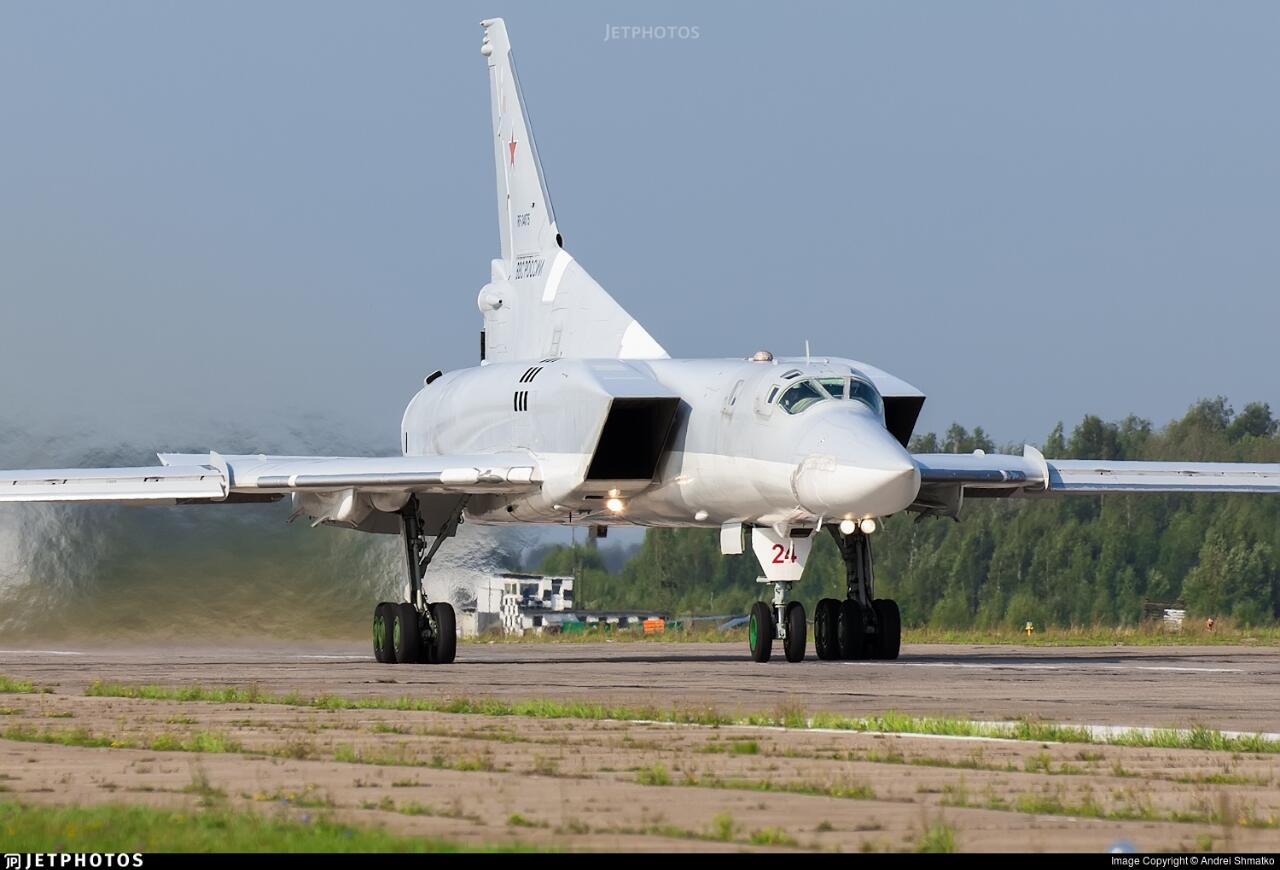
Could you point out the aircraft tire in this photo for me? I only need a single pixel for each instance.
(826, 618)
(851, 630)
(407, 636)
(760, 632)
(444, 643)
(889, 620)
(383, 651)
(797, 632)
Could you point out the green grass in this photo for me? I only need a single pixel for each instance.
(938, 837)
(1198, 737)
(655, 775)
(538, 709)
(199, 741)
(1221, 779)
(737, 747)
(772, 837)
(10, 686)
(849, 790)
(786, 716)
(1146, 634)
(1126, 806)
(119, 828)
(1193, 633)
(393, 755)
(722, 827)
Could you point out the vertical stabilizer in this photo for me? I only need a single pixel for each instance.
(540, 302)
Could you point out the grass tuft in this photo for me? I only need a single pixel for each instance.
(939, 837)
(772, 837)
(10, 686)
(655, 775)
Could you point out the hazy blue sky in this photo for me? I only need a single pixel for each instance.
(225, 214)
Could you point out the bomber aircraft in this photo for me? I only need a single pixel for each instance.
(576, 415)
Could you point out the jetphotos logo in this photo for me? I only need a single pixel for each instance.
(651, 32)
(58, 860)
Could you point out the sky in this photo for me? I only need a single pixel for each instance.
(231, 220)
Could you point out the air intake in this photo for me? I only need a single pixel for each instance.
(634, 435)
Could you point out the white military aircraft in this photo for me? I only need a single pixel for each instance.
(576, 415)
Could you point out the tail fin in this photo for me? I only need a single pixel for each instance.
(540, 302)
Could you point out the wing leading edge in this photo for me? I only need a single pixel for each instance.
(946, 479)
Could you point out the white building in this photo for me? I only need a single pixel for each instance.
(529, 600)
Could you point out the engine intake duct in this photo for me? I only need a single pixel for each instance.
(634, 435)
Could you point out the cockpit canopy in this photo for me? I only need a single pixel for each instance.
(803, 394)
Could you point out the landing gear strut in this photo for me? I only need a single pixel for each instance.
(861, 626)
(415, 630)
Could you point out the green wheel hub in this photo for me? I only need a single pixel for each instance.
(753, 631)
(379, 631)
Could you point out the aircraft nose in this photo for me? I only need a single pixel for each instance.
(851, 467)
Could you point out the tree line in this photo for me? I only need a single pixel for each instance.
(1073, 560)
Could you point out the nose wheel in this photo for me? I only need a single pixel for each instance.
(797, 629)
(784, 620)
(760, 632)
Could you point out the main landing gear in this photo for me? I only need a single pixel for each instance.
(416, 631)
(859, 627)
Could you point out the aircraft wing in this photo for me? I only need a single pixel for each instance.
(211, 477)
(946, 479)
(159, 484)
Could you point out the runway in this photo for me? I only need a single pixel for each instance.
(1229, 688)
(476, 778)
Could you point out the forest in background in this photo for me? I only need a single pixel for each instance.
(1073, 560)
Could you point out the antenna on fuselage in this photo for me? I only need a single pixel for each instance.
(806, 351)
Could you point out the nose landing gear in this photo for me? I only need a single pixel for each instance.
(860, 626)
(782, 557)
(784, 620)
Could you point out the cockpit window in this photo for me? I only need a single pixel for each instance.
(834, 386)
(864, 392)
(803, 393)
(800, 396)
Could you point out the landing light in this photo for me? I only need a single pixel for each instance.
(848, 527)
(868, 526)
(615, 505)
